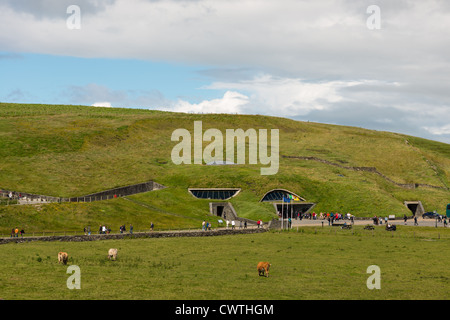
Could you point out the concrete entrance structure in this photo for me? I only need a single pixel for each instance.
(416, 207)
(223, 210)
(226, 211)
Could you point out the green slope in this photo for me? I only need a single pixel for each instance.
(76, 150)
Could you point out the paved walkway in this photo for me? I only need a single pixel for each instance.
(421, 222)
(250, 229)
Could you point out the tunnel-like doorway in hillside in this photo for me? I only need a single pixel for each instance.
(224, 210)
(219, 210)
(415, 207)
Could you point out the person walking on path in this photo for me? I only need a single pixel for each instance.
(415, 221)
(232, 224)
(131, 229)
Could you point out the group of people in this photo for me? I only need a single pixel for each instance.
(322, 216)
(12, 195)
(103, 229)
(206, 225)
(15, 232)
(241, 225)
(123, 229)
(106, 230)
(379, 220)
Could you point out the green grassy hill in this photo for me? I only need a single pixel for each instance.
(68, 151)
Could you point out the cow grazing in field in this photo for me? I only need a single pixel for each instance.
(263, 268)
(63, 257)
(112, 253)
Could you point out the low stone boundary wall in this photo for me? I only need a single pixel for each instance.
(119, 192)
(153, 234)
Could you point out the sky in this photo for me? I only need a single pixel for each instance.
(375, 64)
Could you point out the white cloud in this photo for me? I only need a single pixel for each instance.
(268, 95)
(231, 102)
(327, 38)
(102, 104)
(442, 130)
(286, 96)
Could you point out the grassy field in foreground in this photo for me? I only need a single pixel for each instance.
(311, 263)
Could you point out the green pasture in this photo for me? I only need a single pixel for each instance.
(310, 263)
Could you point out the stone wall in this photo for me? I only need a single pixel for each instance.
(29, 198)
(119, 192)
(154, 234)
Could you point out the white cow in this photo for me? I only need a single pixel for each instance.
(112, 253)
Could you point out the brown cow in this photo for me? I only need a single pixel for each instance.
(63, 257)
(263, 268)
